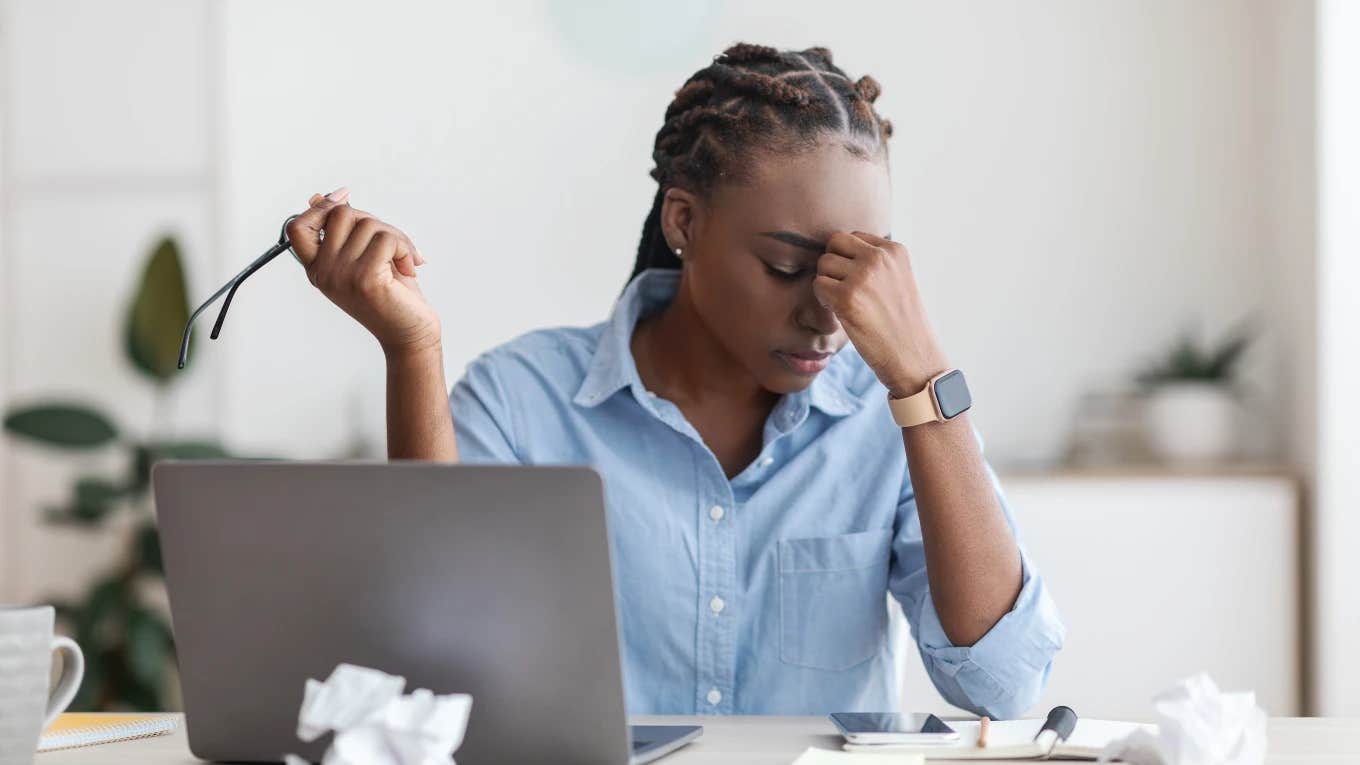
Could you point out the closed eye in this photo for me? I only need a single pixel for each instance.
(783, 275)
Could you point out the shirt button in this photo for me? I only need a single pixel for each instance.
(716, 604)
(768, 461)
(716, 512)
(714, 696)
(651, 393)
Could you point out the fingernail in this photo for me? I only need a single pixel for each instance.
(316, 198)
(339, 195)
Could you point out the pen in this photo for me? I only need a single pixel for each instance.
(982, 732)
(1059, 725)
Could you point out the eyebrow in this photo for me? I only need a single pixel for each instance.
(800, 241)
(797, 240)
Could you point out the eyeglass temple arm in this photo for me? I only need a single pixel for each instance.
(230, 289)
(236, 283)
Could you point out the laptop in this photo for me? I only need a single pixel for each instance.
(489, 580)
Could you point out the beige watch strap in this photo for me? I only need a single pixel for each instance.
(916, 409)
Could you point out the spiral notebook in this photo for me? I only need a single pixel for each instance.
(1015, 740)
(89, 728)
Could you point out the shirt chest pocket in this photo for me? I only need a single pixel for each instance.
(832, 603)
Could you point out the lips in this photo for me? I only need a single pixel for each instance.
(804, 362)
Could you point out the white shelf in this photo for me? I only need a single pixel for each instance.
(1159, 576)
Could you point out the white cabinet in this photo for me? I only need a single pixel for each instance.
(1158, 576)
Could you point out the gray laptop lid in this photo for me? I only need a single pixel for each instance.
(488, 580)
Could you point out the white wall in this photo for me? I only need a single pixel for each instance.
(1287, 67)
(8, 520)
(108, 135)
(1338, 317)
(1076, 183)
(1286, 73)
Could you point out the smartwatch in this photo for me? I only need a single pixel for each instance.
(945, 397)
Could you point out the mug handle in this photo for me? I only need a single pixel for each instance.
(72, 672)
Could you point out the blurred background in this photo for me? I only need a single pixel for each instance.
(1135, 225)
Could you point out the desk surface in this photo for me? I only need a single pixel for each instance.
(773, 741)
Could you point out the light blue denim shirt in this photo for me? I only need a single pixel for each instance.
(766, 593)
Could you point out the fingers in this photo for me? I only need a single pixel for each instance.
(350, 230)
(304, 232)
(851, 245)
(342, 220)
(408, 247)
(387, 250)
(829, 291)
(373, 242)
(835, 265)
(340, 224)
(874, 239)
(405, 257)
(331, 234)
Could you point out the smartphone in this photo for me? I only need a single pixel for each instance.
(893, 728)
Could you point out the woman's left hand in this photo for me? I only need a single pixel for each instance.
(867, 281)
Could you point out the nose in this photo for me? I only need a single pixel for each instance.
(815, 317)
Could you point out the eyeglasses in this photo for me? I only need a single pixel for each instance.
(230, 289)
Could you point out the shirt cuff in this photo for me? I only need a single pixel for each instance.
(1003, 673)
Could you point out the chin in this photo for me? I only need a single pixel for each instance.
(782, 381)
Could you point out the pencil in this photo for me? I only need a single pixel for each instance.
(982, 732)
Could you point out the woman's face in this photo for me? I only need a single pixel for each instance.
(751, 250)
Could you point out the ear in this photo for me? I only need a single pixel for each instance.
(680, 209)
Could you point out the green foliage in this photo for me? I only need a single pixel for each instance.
(1189, 362)
(93, 499)
(128, 645)
(62, 424)
(159, 311)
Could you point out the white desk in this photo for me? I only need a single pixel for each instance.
(774, 741)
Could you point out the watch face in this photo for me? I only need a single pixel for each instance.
(951, 392)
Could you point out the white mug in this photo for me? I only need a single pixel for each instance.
(26, 706)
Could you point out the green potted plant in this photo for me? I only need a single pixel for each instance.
(1191, 408)
(126, 639)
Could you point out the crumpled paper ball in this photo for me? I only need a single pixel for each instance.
(375, 724)
(1197, 725)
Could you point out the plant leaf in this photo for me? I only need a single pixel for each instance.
(67, 425)
(87, 517)
(149, 548)
(1230, 352)
(90, 490)
(139, 477)
(148, 647)
(92, 684)
(100, 618)
(159, 311)
(93, 500)
(137, 694)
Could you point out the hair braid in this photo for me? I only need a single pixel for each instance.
(753, 97)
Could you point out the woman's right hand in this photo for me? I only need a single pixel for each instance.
(368, 268)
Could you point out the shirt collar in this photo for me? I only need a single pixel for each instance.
(612, 367)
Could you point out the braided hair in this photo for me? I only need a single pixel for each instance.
(753, 98)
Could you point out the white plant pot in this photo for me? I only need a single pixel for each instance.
(1192, 422)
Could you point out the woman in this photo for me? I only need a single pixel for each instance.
(761, 497)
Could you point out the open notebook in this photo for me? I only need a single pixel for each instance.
(1014, 739)
(89, 728)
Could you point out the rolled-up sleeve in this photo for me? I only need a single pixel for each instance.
(1004, 672)
(481, 415)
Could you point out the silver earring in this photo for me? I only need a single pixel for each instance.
(677, 252)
